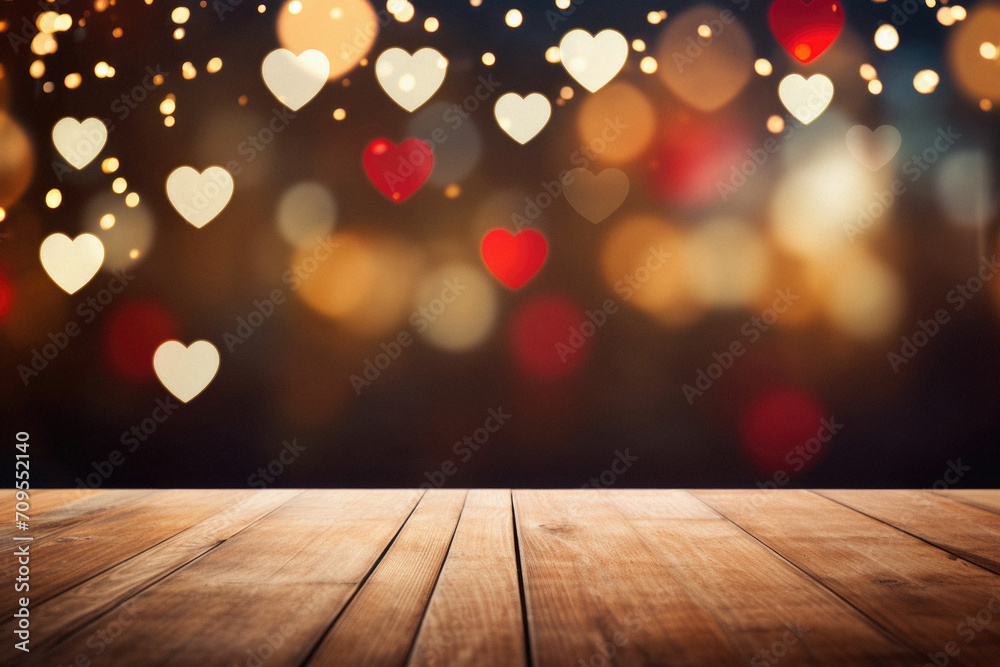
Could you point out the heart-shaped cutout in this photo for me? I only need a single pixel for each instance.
(874, 149)
(79, 142)
(514, 259)
(410, 80)
(199, 197)
(522, 117)
(71, 263)
(805, 98)
(595, 197)
(593, 60)
(295, 79)
(398, 171)
(804, 28)
(186, 371)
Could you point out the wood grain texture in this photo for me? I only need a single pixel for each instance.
(596, 591)
(919, 593)
(474, 616)
(761, 602)
(75, 607)
(982, 498)
(46, 500)
(968, 532)
(391, 603)
(271, 590)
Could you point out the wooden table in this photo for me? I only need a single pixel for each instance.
(490, 577)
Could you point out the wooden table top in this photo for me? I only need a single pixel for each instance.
(272, 578)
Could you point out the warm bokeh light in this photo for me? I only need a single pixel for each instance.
(214, 65)
(886, 37)
(306, 212)
(926, 81)
(119, 185)
(455, 308)
(489, 58)
(781, 430)
(775, 124)
(729, 263)
(541, 340)
(180, 15)
(648, 64)
(131, 335)
(763, 67)
(431, 24)
(868, 72)
(874, 86)
(597, 128)
(53, 198)
(513, 18)
(343, 30)
(552, 54)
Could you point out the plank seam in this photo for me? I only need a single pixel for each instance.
(940, 547)
(357, 589)
(57, 641)
(889, 634)
(529, 658)
(967, 503)
(437, 578)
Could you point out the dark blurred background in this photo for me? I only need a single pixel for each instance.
(823, 393)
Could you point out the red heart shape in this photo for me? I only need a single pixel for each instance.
(398, 171)
(514, 259)
(806, 29)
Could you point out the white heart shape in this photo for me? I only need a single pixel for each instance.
(199, 197)
(593, 60)
(522, 117)
(410, 80)
(874, 149)
(71, 263)
(79, 142)
(186, 371)
(295, 79)
(805, 98)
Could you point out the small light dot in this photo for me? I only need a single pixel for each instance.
(563, 4)
(214, 65)
(132, 199)
(169, 121)
(53, 198)
(648, 64)
(704, 31)
(118, 185)
(37, 69)
(134, 253)
(48, 87)
(107, 221)
(261, 9)
(179, 33)
(945, 17)
(117, 32)
(110, 165)
(653, 17)
(294, 7)
(638, 45)
(886, 37)
(188, 71)
(242, 101)
(431, 24)
(489, 58)
(775, 124)
(101, 70)
(552, 54)
(763, 67)
(339, 114)
(984, 104)
(566, 93)
(180, 15)
(868, 72)
(73, 80)
(958, 13)
(475, 3)
(988, 50)
(168, 105)
(452, 191)
(874, 86)
(111, 72)
(158, 80)
(513, 18)
(926, 81)
(3, 214)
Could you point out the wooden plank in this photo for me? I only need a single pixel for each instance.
(266, 595)
(98, 542)
(46, 500)
(919, 593)
(474, 616)
(987, 499)
(968, 532)
(65, 613)
(595, 592)
(60, 518)
(379, 624)
(764, 605)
